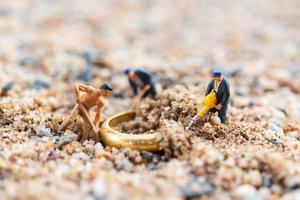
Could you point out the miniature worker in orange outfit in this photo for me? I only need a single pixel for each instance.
(92, 98)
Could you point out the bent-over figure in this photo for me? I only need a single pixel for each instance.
(92, 97)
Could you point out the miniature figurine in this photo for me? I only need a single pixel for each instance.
(216, 100)
(93, 97)
(221, 87)
(140, 79)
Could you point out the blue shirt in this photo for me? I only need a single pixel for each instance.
(145, 78)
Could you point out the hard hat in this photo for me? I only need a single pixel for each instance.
(106, 86)
(216, 73)
(127, 70)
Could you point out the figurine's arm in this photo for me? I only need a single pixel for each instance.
(133, 87)
(83, 88)
(98, 114)
(76, 92)
(210, 87)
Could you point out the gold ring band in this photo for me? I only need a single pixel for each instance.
(111, 137)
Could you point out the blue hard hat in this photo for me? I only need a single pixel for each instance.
(216, 73)
(127, 70)
(106, 86)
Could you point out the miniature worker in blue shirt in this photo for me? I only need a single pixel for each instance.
(141, 83)
(221, 87)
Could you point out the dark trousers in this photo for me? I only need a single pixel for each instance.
(221, 113)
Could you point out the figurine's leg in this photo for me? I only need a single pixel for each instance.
(94, 134)
(222, 114)
(153, 91)
(69, 119)
(85, 130)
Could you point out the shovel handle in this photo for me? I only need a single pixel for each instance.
(86, 115)
(139, 97)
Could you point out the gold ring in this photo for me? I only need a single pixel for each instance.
(111, 137)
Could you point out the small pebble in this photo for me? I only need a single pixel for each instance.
(118, 95)
(277, 142)
(278, 114)
(242, 90)
(5, 135)
(267, 182)
(125, 164)
(234, 73)
(292, 182)
(99, 189)
(92, 57)
(166, 82)
(247, 192)
(40, 84)
(28, 61)
(274, 127)
(147, 156)
(216, 120)
(85, 74)
(197, 187)
(292, 195)
(66, 139)
(44, 132)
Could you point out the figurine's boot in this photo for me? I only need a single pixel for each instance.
(69, 119)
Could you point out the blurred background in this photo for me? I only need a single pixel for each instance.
(52, 35)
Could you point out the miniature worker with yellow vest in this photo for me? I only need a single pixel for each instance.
(216, 98)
